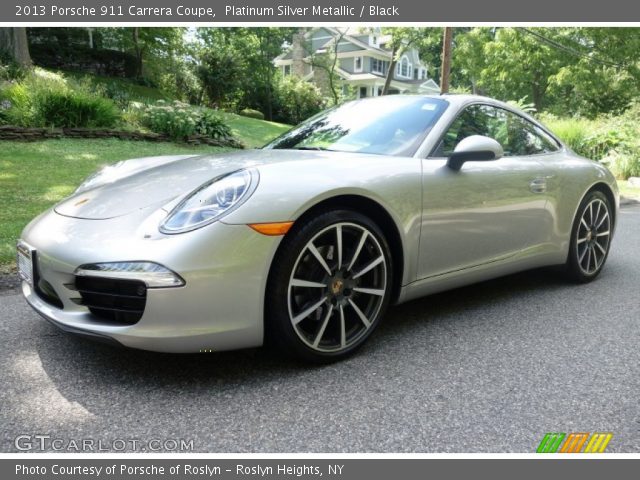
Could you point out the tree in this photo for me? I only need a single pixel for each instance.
(252, 51)
(326, 61)
(153, 47)
(14, 41)
(401, 40)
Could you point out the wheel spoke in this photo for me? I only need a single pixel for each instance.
(604, 217)
(325, 322)
(369, 267)
(343, 329)
(339, 245)
(363, 239)
(361, 315)
(582, 240)
(370, 291)
(312, 248)
(588, 258)
(305, 313)
(604, 252)
(591, 213)
(584, 223)
(598, 212)
(296, 282)
(584, 252)
(602, 234)
(595, 258)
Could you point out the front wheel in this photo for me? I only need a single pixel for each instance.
(329, 286)
(590, 238)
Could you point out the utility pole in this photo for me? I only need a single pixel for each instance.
(446, 60)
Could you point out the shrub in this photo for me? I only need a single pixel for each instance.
(45, 99)
(179, 120)
(297, 100)
(248, 112)
(76, 109)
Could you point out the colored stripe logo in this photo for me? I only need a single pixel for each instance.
(574, 443)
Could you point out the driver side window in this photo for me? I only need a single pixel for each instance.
(518, 136)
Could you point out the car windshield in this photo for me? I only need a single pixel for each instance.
(389, 125)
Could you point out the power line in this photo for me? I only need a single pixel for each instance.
(570, 50)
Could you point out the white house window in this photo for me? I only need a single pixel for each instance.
(404, 68)
(374, 41)
(378, 66)
(357, 64)
(286, 70)
(423, 73)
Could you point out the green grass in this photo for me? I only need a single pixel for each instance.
(34, 176)
(135, 91)
(254, 133)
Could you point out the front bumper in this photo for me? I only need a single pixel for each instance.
(220, 307)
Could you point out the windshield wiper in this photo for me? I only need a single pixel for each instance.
(311, 148)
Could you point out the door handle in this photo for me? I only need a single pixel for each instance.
(538, 185)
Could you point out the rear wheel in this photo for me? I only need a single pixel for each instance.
(329, 286)
(590, 238)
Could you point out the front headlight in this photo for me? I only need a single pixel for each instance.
(210, 202)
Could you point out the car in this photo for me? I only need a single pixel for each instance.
(303, 244)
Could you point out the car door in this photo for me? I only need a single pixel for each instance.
(487, 210)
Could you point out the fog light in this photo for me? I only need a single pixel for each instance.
(152, 274)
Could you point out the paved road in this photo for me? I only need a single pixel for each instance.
(489, 368)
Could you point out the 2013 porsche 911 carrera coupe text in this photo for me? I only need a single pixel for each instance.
(307, 241)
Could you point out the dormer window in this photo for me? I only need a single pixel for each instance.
(404, 68)
(374, 40)
(357, 64)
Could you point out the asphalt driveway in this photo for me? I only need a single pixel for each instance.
(487, 368)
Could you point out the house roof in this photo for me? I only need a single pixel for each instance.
(344, 33)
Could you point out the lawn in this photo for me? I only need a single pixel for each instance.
(34, 176)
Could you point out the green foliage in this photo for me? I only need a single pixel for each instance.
(76, 109)
(585, 71)
(236, 66)
(611, 140)
(45, 99)
(221, 75)
(248, 112)
(10, 69)
(180, 120)
(297, 100)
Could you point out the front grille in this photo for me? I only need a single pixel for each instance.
(118, 301)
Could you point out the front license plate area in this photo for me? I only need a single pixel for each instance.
(25, 263)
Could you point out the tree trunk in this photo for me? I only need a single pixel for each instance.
(138, 50)
(389, 76)
(14, 41)
(446, 60)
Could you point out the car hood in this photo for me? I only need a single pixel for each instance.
(140, 183)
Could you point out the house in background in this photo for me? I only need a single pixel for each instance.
(362, 62)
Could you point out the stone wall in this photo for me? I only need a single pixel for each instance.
(10, 132)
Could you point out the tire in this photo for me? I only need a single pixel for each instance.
(326, 297)
(590, 238)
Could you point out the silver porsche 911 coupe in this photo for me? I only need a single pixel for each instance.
(305, 242)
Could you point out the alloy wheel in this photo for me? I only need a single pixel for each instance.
(337, 287)
(594, 234)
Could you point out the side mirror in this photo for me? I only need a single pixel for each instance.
(476, 148)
